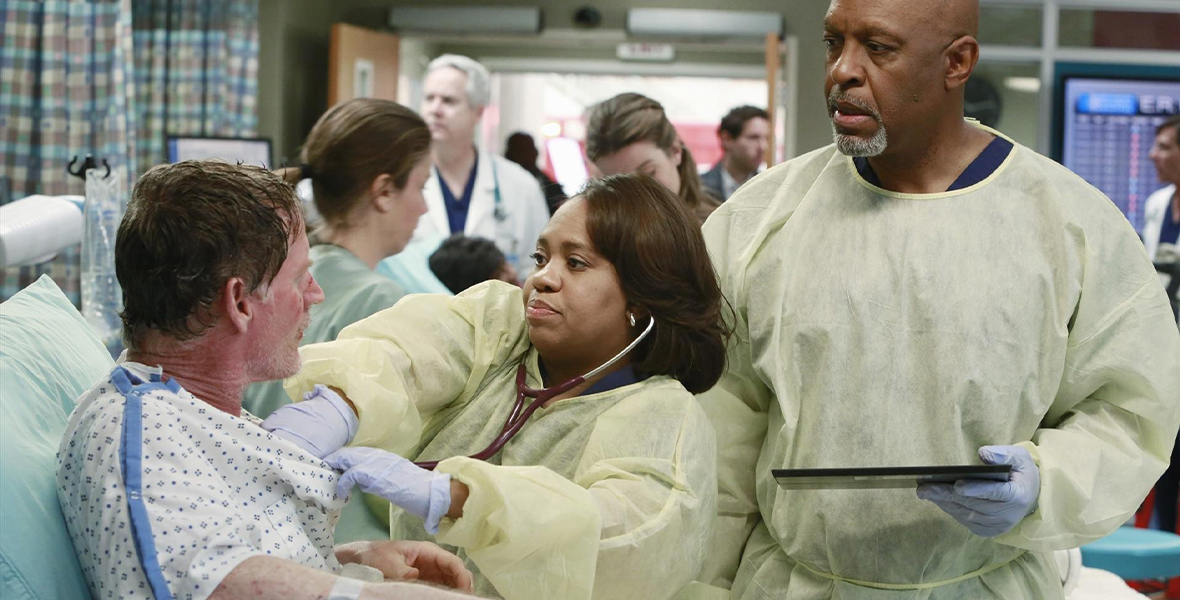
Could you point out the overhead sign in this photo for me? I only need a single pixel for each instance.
(646, 51)
(687, 22)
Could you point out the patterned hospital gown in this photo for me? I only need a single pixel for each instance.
(213, 490)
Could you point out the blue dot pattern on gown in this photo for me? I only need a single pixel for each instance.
(217, 489)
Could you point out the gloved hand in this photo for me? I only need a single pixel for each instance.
(424, 494)
(321, 424)
(990, 508)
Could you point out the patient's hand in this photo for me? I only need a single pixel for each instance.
(409, 561)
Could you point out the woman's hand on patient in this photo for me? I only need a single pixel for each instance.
(409, 561)
(424, 494)
(322, 423)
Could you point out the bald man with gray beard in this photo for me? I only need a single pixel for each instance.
(925, 292)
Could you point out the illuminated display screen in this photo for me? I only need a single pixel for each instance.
(1109, 129)
(233, 150)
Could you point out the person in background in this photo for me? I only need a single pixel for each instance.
(630, 133)
(1162, 226)
(470, 191)
(926, 291)
(522, 150)
(367, 160)
(608, 490)
(744, 134)
(168, 488)
(1161, 213)
(461, 262)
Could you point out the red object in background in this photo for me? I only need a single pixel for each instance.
(548, 168)
(1141, 30)
(1143, 515)
(1170, 588)
(701, 139)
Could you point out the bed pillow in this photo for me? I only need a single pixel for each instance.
(49, 356)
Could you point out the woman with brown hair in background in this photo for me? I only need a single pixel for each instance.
(367, 160)
(631, 134)
(610, 470)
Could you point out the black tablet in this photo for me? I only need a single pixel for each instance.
(885, 477)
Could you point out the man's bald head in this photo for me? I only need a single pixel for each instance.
(939, 21)
(949, 19)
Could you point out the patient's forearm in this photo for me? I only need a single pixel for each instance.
(270, 578)
(267, 577)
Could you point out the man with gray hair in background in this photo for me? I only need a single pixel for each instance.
(470, 191)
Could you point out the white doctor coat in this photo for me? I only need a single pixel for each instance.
(1153, 218)
(522, 215)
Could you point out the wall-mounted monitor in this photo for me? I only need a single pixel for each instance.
(247, 151)
(1105, 117)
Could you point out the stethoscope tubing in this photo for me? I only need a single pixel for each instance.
(519, 414)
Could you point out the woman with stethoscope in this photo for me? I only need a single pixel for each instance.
(573, 395)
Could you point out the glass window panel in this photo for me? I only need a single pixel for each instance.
(1018, 87)
(1010, 25)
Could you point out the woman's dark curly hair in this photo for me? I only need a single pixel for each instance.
(656, 247)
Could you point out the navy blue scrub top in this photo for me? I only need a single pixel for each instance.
(981, 168)
(614, 380)
(457, 207)
(1170, 231)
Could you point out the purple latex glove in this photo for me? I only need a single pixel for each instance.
(321, 424)
(424, 494)
(991, 508)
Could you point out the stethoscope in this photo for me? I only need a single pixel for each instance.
(499, 212)
(516, 419)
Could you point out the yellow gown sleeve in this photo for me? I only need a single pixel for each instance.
(737, 408)
(403, 365)
(1109, 433)
(532, 532)
(637, 513)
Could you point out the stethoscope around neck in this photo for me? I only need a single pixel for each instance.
(519, 415)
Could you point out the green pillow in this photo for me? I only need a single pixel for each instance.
(49, 357)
